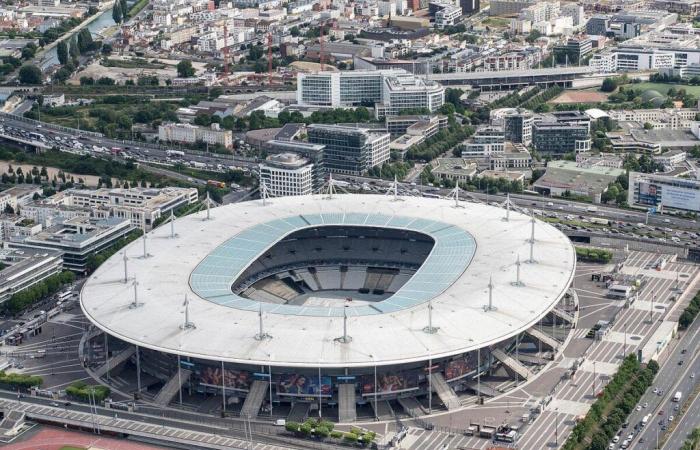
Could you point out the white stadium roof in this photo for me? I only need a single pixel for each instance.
(472, 243)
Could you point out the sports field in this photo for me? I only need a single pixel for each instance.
(664, 87)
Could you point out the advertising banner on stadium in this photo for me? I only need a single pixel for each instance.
(304, 385)
(238, 380)
(388, 383)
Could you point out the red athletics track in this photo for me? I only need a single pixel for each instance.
(49, 438)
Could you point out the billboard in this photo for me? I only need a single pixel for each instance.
(238, 380)
(460, 367)
(304, 385)
(388, 383)
(680, 197)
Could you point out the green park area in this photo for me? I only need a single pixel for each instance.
(664, 87)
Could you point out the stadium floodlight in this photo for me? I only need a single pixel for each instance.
(208, 206)
(261, 336)
(490, 306)
(394, 190)
(187, 325)
(135, 304)
(172, 224)
(345, 338)
(507, 202)
(531, 260)
(517, 281)
(264, 193)
(430, 329)
(331, 187)
(455, 195)
(145, 250)
(126, 273)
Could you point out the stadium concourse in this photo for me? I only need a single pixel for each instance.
(350, 306)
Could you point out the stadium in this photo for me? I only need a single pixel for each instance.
(349, 307)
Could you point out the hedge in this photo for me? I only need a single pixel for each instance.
(690, 312)
(593, 255)
(20, 380)
(613, 406)
(85, 393)
(33, 294)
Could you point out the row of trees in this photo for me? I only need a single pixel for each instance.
(322, 429)
(13, 381)
(85, 393)
(445, 140)
(690, 313)
(23, 299)
(614, 404)
(595, 255)
(95, 260)
(693, 440)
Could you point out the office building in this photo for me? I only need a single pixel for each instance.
(191, 134)
(348, 149)
(508, 7)
(76, 238)
(286, 174)
(571, 177)
(23, 269)
(558, 138)
(470, 7)
(517, 125)
(598, 25)
(389, 91)
(651, 190)
(447, 16)
(142, 206)
(486, 142)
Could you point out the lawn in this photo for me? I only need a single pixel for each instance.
(664, 87)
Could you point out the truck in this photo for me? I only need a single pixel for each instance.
(198, 165)
(172, 153)
(677, 396)
(599, 221)
(592, 209)
(645, 419)
(216, 184)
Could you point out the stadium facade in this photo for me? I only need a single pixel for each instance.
(340, 305)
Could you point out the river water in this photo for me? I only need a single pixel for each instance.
(104, 20)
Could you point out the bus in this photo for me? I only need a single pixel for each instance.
(216, 184)
(36, 136)
(63, 296)
(645, 419)
(599, 221)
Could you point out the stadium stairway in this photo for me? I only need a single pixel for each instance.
(511, 363)
(411, 406)
(444, 391)
(172, 387)
(382, 409)
(563, 315)
(485, 389)
(543, 337)
(115, 361)
(254, 399)
(530, 359)
(299, 412)
(12, 420)
(346, 403)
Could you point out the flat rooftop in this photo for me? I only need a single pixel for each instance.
(202, 261)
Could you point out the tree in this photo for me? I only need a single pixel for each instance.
(73, 49)
(185, 69)
(117, 13)
(609, 85)
(62, 52)
(85, 42)
(533, 36)
(30, 74)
